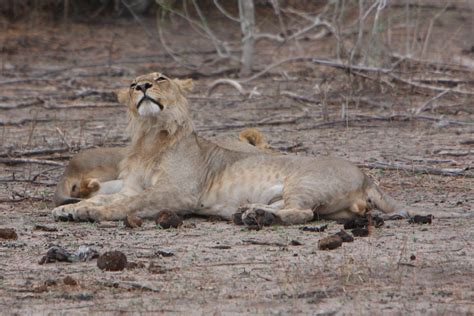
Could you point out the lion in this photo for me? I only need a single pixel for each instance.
(167, 166)
(90, 172)
(95, 171)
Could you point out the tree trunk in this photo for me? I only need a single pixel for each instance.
(247, 24)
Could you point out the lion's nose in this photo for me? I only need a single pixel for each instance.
(143, 87)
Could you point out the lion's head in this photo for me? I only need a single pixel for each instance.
(158, 101)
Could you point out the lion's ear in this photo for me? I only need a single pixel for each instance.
(186, 85)
(122, 96)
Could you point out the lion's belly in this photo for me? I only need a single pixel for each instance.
(241, 185)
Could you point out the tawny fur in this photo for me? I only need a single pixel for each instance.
(167, 166)
(93, 171)
(85, 171)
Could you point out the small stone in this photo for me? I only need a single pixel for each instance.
(168, 219)
(8, 233)
(69, 281)
(412, 257)
(331, 242)
(132, 221)
(112, 261)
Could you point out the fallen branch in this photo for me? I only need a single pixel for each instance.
(427, 104)
(414, 169)
(394, 117)
(37, 152)
(428, 86)
(263, 243)
(233, 83)
(15, 161)
(264, 122)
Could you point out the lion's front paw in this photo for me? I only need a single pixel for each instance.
(257, 217)
(76, 212)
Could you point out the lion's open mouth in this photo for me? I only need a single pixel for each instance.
(145, 98)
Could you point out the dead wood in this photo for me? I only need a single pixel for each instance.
(263, 243)
(415, 169)
(427, 86)
(35, 152)
(16, 161)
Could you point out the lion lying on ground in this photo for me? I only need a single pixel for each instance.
(169, 167)
(96, 171)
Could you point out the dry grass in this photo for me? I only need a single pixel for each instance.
(57, 92)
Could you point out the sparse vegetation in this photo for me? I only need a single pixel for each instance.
(385, 84)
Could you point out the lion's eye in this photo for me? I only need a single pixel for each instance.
(133, 85)
(160, 78)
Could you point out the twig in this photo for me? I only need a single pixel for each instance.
(263, 122)
(424, 170)
(395, 117)
(230, 82)
(430, 28)
(37, 152)
(263, 243)
(298, 97)
(63, 137)
(15, 161)
(222, 264)
(425, 105)
(427, 86)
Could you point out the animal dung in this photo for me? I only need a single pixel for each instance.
(363, 222)
(421, 219)
(345, 236)
(329, 243)
(8, 233)
(68, 280)
(315, 229)
(132, 221)
(112, 261)
(360, 232)
(45, 228)
(168, 219)
(57, 253)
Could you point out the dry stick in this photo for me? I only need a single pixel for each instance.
(424, 170)
(457, 67)
(63, 137)
(427, 104)
(427, 86)
(430, 28)
(36, 152)
(351, 68)
(230, 82)
(263, 243)
(15, 161)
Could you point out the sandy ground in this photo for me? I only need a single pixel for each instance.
(57, 92)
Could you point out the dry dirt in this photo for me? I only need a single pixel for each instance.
(56, 92)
